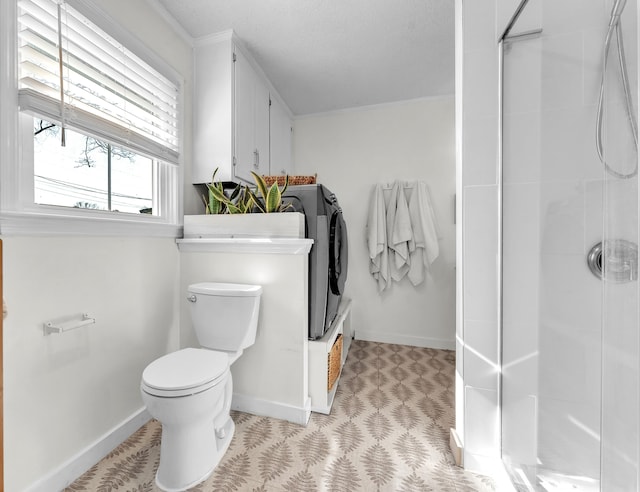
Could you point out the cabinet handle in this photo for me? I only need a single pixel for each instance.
(256, 158)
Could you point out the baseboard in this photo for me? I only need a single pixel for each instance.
(69, 471)
(490, 466)
(456, 447)
(265, 408)
(414, 341)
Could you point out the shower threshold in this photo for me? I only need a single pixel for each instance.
(553, 481)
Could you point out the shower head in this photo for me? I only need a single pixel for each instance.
(616, 11)
(616, 27)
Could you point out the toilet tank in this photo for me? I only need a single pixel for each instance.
(224, 315)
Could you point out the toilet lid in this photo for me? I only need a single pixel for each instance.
(183, 370)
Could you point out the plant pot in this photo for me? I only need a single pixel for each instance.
(285, 224)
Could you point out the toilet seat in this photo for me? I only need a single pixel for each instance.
(185, 372)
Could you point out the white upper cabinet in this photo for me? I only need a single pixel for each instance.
(235, 130)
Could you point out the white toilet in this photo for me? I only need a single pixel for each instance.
(189, 391)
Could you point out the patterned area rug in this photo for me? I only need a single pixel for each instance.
(388, 431)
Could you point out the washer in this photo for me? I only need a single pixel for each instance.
(328, 259)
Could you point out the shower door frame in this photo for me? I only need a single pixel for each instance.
(499, 180)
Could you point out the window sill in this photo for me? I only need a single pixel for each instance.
(50, 224)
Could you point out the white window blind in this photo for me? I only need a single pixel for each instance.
(107, 91)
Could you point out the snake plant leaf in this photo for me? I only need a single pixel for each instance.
(234, 209)
(206, 204)
(285, 206)
(213, 204)
(247, 200)
(236, 192)
(273, 198)
(261, 183)
(241, 204)
(255, 201)
(213, 178)
(286, 184)
(217, 193)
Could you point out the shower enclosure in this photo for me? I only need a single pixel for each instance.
(569, 386)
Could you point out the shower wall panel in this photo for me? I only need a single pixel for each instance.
(477, 405)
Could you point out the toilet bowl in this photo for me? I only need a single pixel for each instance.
(184, 390)
(189, 391)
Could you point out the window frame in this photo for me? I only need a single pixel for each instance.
(19, 215)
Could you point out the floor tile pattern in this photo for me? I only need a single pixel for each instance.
(388, 431)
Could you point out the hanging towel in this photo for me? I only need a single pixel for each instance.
(425, 233)
(398, 232)
(377, 239)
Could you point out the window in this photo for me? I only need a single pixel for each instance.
(98, 124)
(89, 173)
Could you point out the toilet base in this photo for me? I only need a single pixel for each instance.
(178, 470)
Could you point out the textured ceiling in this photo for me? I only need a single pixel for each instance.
(324, 55)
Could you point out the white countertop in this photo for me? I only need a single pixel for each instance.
(259, 245)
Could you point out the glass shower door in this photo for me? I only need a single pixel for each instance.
(620, 333)
(569, 384)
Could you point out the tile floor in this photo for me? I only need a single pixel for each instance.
(388, 431)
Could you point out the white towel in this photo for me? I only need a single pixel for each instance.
(377, 239)
(425, 233)
(398, 232)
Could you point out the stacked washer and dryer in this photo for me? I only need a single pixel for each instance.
(328, 259)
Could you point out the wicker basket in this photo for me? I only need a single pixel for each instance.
(334, 362)
(293, 180)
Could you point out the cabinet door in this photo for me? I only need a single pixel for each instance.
(251, 121)
(280, 139)
(244, 103)
(261, 131)
(213, 113)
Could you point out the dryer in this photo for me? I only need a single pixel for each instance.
(328, 258)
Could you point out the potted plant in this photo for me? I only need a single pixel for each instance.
(243, 199)
(245, 212)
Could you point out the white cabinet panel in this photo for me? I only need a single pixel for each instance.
(213, 114)
(251, 120)
(244, 108)
(280, 127)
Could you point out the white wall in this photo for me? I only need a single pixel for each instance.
(353, 150)
(63, 393)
